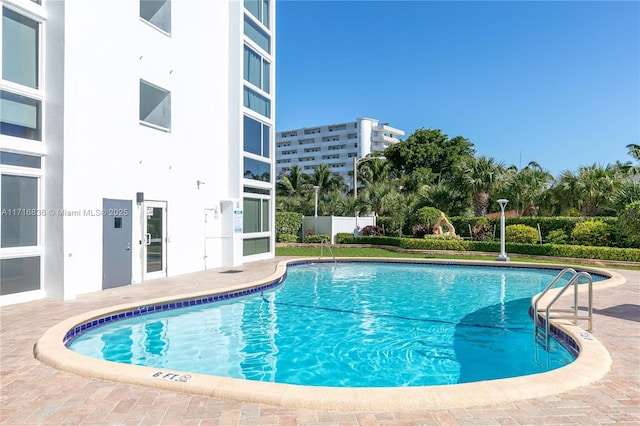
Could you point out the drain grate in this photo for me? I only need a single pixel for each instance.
(231, 271)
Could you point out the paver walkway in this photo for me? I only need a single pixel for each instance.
(34, 394)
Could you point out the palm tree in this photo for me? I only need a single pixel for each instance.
(590, 190)
(292, 183)
(324, 178)
(477, 177)
(634, 151)
(527, 187)
(374, 196)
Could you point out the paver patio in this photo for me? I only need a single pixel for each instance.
(32, 393)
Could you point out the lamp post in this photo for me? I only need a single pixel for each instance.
(315, 214)
(503, 255)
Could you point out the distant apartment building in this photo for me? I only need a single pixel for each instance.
(336, 145)
(136, 141)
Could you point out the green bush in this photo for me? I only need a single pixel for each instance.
(341, 237)
(421, 230)
(286, 238)
(628, 226)
(592, 233)
(317, 238)
(381, 241)
(557, 236)
(480, 229)
(547, 224)
(521, 234)
(372, 231)
(428, 215)
(434, 243)
(288, 223)
(555, 250)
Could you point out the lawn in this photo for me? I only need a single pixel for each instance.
(380, 252)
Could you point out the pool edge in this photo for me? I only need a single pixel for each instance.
(592, 364)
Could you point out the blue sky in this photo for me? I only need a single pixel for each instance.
(552, 82)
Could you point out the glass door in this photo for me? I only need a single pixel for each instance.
(155, 239)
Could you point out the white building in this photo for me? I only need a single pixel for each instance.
(335, 145)
(135, 139)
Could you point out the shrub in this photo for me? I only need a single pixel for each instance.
(557, 236)
(435, 242)
(421, 230)
(372, 231)
(592, 233)
(341, 237)
(286, 238)
(428, 215)
(628, 226)
(317, 238)
(521, 234)
(288, 223)
(480, 229)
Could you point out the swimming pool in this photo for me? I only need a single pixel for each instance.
(592, 363)
(349, 325)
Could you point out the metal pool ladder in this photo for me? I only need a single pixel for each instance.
(323, 243)
(542, 331)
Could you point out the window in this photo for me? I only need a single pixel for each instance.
(19, 275)
(256, 215)
(255, 33)
(19, 224)
(259, 9)
(337, 128)
(20, 116)
(20, 160)
(255, 246)
(20, 40)
(256, 69)
(155, 106)
(257, 170)
(256, 137)
(157, 13)
(257, 102)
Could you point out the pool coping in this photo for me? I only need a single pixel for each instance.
(591, 365)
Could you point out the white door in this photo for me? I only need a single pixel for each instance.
(155, 240)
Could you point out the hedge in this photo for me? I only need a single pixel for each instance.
(547, 224)
(288, 223)
(553, 250)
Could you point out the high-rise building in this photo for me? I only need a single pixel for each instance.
(136, 141)
(335, 145)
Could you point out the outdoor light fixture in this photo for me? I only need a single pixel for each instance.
(315, 215)
(503, 255)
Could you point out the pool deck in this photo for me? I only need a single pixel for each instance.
(34, 393)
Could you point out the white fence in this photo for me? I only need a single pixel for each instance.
(332, 225)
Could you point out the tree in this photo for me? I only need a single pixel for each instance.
(375, 196)
(324, 177)
(428, 149)
(590, 190)
(526, 187)
(292, 183)
(477, 177)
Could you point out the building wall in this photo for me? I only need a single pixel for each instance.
(336, 145)
(95, 146)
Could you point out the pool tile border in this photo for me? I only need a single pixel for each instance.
(153, 308)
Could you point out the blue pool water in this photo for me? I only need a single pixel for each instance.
(350, 325)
